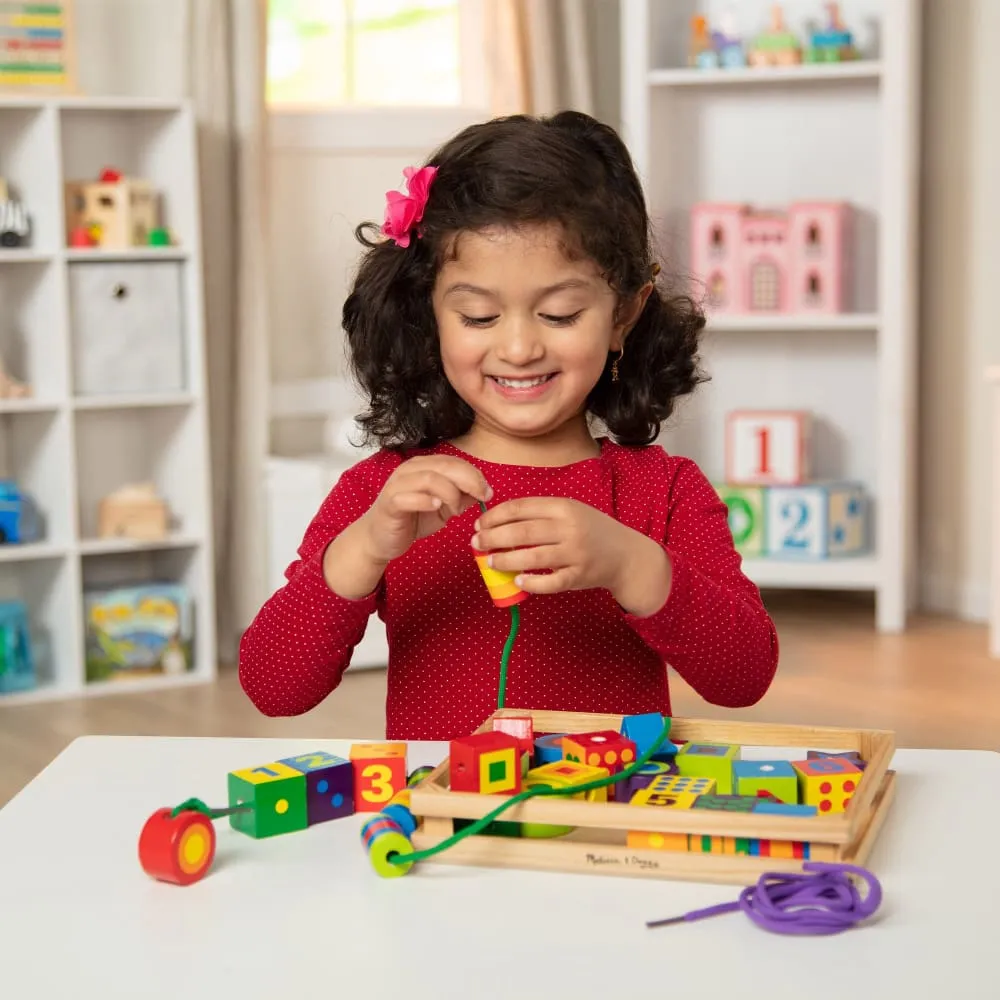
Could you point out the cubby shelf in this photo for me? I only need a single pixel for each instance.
(768, 137)
(68, 448)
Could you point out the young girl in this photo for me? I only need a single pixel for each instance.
(510, 299)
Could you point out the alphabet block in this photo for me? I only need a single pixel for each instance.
(329, 785)
(775, 776)
(379, 773)
(747, 517)
(827, 783)
(767, 447)
(486, 763)
(816, 521)
(709, 760)
(277, 794)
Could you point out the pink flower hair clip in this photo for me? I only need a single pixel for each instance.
(404, 211)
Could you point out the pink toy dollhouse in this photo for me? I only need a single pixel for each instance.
(771, 262)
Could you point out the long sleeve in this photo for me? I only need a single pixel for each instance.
(300, 643)
(713, 629)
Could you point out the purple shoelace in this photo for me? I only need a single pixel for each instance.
(821, 900)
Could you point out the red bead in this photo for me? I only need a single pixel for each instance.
(178, 849)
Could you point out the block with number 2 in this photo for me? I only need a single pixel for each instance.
(767, 447)
(817, 521)
(379, 772)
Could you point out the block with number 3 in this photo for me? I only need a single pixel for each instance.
(817, 521)
(379, 773)
(767, 447)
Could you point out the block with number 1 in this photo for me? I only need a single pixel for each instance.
(767, 447)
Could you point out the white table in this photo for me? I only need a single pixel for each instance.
(303, 915)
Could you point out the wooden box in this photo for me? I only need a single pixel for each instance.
(597, 844)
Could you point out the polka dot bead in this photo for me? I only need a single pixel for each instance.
(576, 651)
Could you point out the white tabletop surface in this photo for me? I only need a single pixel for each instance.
(303, 915)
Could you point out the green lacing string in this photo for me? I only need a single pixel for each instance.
(196, 805)
(480, 824)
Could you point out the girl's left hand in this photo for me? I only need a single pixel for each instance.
(580, 546)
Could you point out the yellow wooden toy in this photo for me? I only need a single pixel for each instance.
(827, 783)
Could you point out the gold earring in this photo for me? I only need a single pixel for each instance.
(614, 365)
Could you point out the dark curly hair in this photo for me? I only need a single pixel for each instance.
(518, 170)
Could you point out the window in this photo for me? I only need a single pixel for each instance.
(356, 54)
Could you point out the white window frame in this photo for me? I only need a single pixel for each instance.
(354, 130)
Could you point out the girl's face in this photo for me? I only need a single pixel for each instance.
(524, 331)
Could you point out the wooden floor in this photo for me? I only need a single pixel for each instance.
(933, 685)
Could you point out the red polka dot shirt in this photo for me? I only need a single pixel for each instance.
(575, 651)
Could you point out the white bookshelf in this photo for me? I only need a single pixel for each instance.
(67, 449)
(769, 137)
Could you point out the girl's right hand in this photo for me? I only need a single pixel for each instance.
(418, 499)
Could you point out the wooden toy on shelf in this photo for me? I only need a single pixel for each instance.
(819, 520)
(778, 46)
(133, 511)
(833, 43)
(114, 211)
(39, 46)
(11, 388)
(20, 517)
(764, 261)
(768, 447)
(379, 773)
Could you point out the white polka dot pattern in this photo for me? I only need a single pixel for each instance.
(576, 651)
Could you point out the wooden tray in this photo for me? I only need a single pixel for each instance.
(597, 844)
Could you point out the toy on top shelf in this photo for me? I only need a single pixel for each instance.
(754, 262)
(12, 388)
(133, 511)
(114, 212)
(39, 46)
(832, 44)
(777, 46)
(775, 509)
(712, 49)
(14, 223)
(17, 662)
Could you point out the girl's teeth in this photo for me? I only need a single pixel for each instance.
(522, 383)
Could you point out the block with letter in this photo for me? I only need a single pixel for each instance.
(379, 773)
(277, 795)
(817, 521)
(827, 783)
(486, 763)
(709, 760)
(747, 517)
(329, 784)
(606, 749)
(767, 447)
(752, 777)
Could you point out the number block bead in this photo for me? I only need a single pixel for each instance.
(829, 784)
(329, 785)
(178, 849)
(818, 521)
(277, 795)
(385, 842)
(709, 760)
(775, 776)
(379, 773)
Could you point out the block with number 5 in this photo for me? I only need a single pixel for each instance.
(817, 521)
(379, 773)
(767, 447)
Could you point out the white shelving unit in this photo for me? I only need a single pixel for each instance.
(769, 137)
(67, 449)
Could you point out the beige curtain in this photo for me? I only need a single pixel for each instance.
(538, 54)
(226, 63)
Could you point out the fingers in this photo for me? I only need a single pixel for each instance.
(465, 476)
(526, 560)
(452, 501)
(522, 509)
(549, 583)
(517, 535)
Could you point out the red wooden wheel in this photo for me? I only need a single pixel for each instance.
(178, 849)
